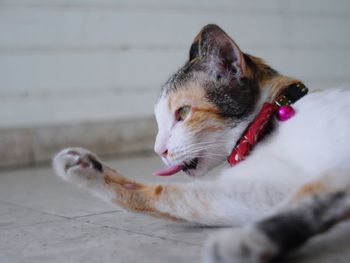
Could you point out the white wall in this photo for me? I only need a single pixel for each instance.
(72, 62)
(117, 53)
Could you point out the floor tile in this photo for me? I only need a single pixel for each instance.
(40, 189)
(43, 219)
(151, 226)
(13, 216)
(73, 241)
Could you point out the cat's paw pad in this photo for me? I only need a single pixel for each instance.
(243, 245)
(75, 163)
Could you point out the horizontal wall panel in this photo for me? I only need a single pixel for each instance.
(37, 111)
(122, 72)
(71, 29)
(302, 7)
(87, 72)
(62, 72)
(37, 145)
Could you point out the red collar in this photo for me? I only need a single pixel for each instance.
(260, 125)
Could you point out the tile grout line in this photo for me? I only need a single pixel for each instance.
(79, 219)
(53, 214)
(32, 224)
(96, 214)
(136, 232)
(33, 209)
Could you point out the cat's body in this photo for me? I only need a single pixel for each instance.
(310, 145)
(298, 175)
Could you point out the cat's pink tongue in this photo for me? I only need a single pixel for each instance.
(170, 170)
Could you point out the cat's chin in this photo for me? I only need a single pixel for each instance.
(195, 168)
(195, 173)
(202, 168)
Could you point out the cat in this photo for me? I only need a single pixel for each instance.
(292, 185)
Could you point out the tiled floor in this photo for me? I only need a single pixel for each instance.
(43, 219)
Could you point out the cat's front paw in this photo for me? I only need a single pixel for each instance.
(78, 165)
(240, 245)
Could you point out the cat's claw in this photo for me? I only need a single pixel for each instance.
(241, 245)
(75, 164)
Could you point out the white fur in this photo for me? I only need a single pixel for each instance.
(309, 145)
(67, 167)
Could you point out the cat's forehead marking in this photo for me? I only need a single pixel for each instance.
(202, 110)
(191, 94)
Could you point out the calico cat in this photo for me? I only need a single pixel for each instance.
(291, 184)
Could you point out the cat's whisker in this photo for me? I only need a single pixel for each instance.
(203, 148)
(209, 157)
(192, 155)
(207, 154)
(199, 149)
(215, 143)
(211, 141)
(199, 152)
(188, 150)
(200, 146)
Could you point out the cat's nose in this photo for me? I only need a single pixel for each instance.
(160, 146)
(163, 153)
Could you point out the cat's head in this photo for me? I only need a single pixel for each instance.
(206, 105)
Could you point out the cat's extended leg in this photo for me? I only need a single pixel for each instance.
(314, 209)
(199, 202)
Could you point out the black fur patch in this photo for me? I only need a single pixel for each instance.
(287, 231)
(214, 62)
(179, 79)
(96, 164)
(234, 100)
(291, 229)
(194, 51)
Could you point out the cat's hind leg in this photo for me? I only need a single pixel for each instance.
(312, 210)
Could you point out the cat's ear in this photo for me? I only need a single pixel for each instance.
(223, 55)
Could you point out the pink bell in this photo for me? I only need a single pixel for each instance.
(285, 112)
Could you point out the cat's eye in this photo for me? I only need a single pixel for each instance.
(182, 113)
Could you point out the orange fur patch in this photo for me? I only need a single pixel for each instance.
(201, 109)
(274, 84)
(135, 196)
(277, 84)
(158, 190)
(192, 94)
(310, 189)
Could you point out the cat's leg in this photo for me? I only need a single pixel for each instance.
(199, 202)
(313, 209)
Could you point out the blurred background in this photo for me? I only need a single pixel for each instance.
(86, 72)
